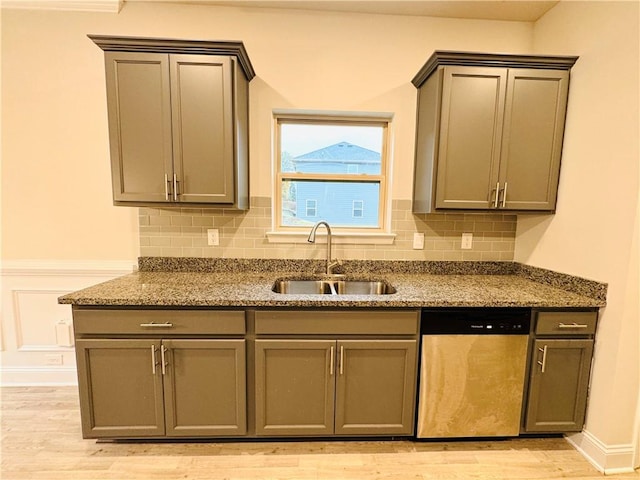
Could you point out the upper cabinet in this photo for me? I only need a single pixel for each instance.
(178, 121)
(489, 131)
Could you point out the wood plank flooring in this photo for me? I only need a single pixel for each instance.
(41, 440)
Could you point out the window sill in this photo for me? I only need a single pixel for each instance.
(340, 238)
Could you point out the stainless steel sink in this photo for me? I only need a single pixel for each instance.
(363, 287)
(333, 287)
(302, 287)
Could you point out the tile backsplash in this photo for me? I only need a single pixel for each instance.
(182, 232)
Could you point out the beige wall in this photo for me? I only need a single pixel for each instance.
(595, 230)
(56, 198)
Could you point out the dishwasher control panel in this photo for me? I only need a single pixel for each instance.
(470, 321)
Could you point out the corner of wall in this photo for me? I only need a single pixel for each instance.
(608, 459)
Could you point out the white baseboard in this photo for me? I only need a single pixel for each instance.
(38, 376)
(608, 459)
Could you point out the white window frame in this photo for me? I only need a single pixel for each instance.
(373, 235)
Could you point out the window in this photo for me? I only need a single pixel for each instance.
(311, 208)
(327, 167)
(358, 209)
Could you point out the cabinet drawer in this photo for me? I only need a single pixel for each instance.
(336, 322)
(566, 323)
(164, 322)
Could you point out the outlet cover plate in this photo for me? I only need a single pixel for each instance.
(213, 237)
(467, 241)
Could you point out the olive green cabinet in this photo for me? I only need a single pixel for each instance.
(177, 388)
(140, 374)
(345, 387)
(489, 131)
(178, 121)
(120, 388)
(375, 392)
(559, 372)
(295, 387)
(356, 379)
(204, 387)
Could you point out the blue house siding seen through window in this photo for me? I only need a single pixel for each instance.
(339, 203)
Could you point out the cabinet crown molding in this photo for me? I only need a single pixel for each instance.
(447, 57)
(234, 48)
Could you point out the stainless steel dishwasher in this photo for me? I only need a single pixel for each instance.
(472, 372)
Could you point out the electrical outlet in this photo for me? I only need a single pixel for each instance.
(213, 237)
(418, 241)
(467, 241)
(53, 359)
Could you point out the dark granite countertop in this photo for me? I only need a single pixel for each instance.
(246, 283)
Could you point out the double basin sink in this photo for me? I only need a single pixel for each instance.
(331, 286)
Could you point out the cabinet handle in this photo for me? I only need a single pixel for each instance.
(504, 195)
(157, 325)
(175, 188)
(543, 363)
(163, 364)
(341, 359)
(572, 325)
(495, 202)
(331, 361)
(166, 187)
(153, 359)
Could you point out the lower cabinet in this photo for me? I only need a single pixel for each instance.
(162, 387)
(558, 385)
(342, 387)
(560, 366)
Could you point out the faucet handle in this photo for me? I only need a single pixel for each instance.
(332, 264)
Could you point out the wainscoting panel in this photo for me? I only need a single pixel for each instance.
(36, 338)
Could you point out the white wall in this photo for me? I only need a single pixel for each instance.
(594, 233)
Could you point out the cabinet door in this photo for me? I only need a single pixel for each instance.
(203, 143)
(138, 100)
(295, 387)
(204, 387)
(376, 383)
(470, 137)
(120, 383)
(558, 385)
(535, 109)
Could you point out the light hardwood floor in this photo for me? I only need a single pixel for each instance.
(41, 440)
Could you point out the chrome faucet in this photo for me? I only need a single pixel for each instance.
(312, 239)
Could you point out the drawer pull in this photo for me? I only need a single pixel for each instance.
(572, 325)
(157, 325)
